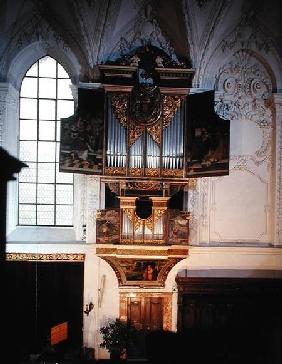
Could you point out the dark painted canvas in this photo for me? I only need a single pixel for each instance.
(81, 149)
(207, 138)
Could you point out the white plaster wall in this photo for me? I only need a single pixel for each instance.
(239, 208)
(101, 288)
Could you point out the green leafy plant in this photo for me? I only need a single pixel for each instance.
(116, 335)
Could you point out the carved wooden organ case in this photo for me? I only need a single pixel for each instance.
(146, 135)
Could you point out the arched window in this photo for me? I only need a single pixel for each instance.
(45, 194)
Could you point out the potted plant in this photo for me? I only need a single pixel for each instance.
(116, 335)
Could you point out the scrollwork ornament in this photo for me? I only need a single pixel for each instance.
(45, 257)
(244, 89)
(155, 131)
(152, 172)
(170, 105)
(120, 102)
(158, 213)
(115, 171)
(135, 131)
(135, 172)
(247, 34)
(146, 186)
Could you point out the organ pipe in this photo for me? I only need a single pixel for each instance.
(136, 154)
(116, 146)
(173, 142)
(153, 153)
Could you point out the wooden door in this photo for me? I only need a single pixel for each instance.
(153, 318)
(145, 313)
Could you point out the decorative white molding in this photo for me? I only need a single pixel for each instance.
(204, 207)
(92, 19)
(248, 34)
(277, 178)
(244, 93)
(204, 45)
(193, 207)
(8, 110)
(79, 214)
(144, 30)
(33, 32)
(93, 204)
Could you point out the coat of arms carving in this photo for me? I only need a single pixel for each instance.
(145, 105)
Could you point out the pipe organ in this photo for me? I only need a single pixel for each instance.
(143, 149)
(141, 129)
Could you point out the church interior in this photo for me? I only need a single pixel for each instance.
(141, 183)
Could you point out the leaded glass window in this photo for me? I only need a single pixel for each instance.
(45, 194)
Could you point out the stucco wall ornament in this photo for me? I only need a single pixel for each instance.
(146, 31)
(244, 91)
(2, 112)
(33, 30)
(81, 203)
(247, 35)
(37, 29)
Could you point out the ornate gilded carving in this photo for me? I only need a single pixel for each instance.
(145, 104)
(170, 105)
(158, 213)
(144, 252)
(120, 106)
(106, 251)
(158, 118)
(135, 172)
(143, 242)
(135, 131)
(149, 222)
(192, 183)
(178, 252)
(172, 172)
(155, 131)
(167, 310)
(130, 271)
(129, 213)
(127, 202)
(115, 171)
(118, 272)
(132, 252)
(45, 257)
(152, 172)
(146, 186)
(167, 267)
